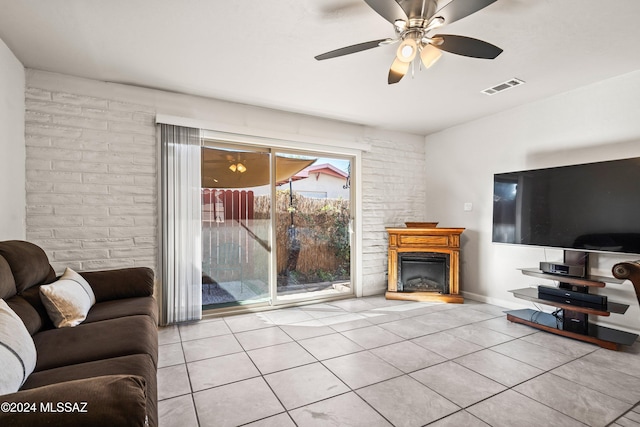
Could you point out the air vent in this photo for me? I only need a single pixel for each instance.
(503, 86)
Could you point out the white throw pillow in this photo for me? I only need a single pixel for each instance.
(68, 299)
(17, 351)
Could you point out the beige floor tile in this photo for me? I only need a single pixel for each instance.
(372, 337)
(173, 381)
(460, 385)
(510, 409)
(170, 354)
(203, 329)
(235, 404)
(498, 367)
(304, 385)
(446, 345)
(177, 412)
(280, 420)
(327, 346)
(210, 347)
(280, 357)
(262, 338)
(345, 410)
(533, 354)
(407, 356)
(221, 370)
(589, 406)
(361, 369)
(406, 402)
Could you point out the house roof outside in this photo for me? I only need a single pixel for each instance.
(325, 168)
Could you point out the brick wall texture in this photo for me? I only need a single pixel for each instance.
(92, 183)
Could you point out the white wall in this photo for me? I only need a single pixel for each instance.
(12, 151)
(92, 170)
(597, 122)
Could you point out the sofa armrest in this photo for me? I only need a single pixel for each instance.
(111, 400)
(629, 270)
(120, 283)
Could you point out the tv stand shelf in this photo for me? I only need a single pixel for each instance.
(531, 294)
(594, 281)
(604, 337)
(573, 322)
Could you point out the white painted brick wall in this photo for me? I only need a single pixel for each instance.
(91, 180)
(394, 191)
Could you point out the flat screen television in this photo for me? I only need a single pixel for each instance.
(587, 207)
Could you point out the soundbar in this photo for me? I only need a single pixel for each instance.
(560, 268)
(564, 296)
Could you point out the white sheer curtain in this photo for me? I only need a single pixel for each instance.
(181, 224)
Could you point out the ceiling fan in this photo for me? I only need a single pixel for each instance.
(413, 21)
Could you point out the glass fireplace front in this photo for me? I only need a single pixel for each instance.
(423, 272)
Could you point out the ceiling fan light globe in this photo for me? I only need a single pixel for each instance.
(407, 50)
(430, 55)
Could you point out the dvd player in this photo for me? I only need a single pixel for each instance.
(564, 296)
(564, 269)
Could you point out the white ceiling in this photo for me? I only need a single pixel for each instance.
(261, 52)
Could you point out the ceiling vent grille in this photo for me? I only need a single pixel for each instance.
(503, 86)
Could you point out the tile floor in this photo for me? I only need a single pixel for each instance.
(374, 362)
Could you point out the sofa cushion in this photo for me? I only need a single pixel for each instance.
(25, 311)
(136, 364)
(7, 283)
(112, 400)
(17, 351)
(122, 308)
(68, 299)
(121, 283)
(98, 340)
(29, 264)
(32, 296)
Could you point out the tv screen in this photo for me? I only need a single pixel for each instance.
(589, 207)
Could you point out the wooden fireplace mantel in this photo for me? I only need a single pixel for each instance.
(438, 240)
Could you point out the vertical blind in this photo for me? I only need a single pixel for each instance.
(181, 224)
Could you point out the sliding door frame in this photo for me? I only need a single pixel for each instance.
(279, 301)
(295, 146)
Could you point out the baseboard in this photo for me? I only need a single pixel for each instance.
(512, 305)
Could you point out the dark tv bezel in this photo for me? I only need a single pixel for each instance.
(602, 250)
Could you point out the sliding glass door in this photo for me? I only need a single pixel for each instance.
(312, 219)
(236, 225)
(276, 226)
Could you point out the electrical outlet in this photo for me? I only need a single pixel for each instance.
(468, 207)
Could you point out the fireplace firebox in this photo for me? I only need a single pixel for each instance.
(423, 272)
(424, 264)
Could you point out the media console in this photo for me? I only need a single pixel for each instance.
(572, 317)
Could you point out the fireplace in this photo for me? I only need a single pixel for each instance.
(423, 272)
(424, 264)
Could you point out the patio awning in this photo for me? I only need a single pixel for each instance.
(217, 171)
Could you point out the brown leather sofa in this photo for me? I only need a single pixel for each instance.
(99, 373)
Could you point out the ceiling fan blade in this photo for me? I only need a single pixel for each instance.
(467, 46)
(388, 9)
(458, 9)
(351, 49)
(397, 71)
